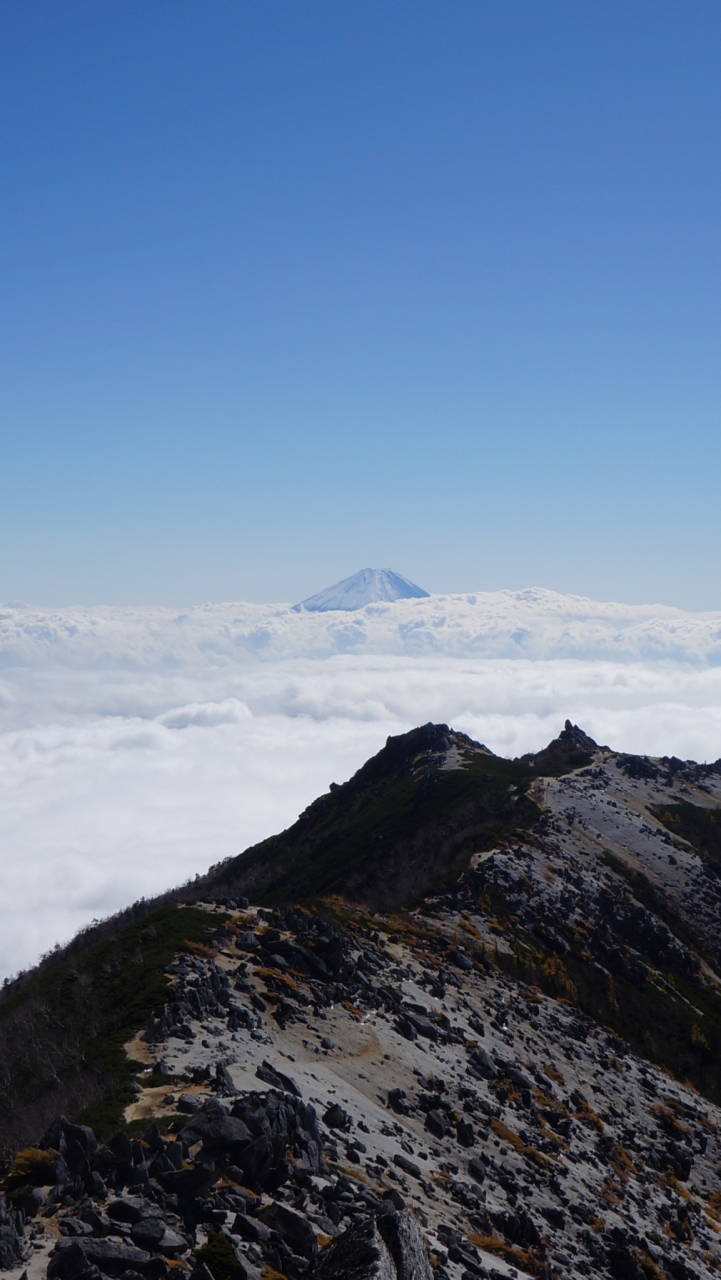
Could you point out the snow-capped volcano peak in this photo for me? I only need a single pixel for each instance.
(366, 587)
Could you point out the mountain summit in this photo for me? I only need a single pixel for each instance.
(368, 586)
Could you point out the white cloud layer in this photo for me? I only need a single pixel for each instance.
(532, 624)
(128, 764)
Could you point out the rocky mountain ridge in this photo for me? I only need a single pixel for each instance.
(516, 1074)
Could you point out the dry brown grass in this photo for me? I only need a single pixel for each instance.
(507, 1135)
(200, 949)
(353, 1010)
(649, 1268)
(510, 1253)
(549, 1136)
(622, 1163)
(588, 1117)
(537, 1158)
(669, 1179)
(668, 1121)
(277, 976)
(611, 1193)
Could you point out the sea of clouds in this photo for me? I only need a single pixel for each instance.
(139, 746)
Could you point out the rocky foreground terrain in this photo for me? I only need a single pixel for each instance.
(489, 1044)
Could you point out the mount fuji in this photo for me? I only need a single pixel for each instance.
(368, 586)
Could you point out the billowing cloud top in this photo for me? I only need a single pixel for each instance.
(533, 624)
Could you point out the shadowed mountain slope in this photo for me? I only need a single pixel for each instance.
(410, 817)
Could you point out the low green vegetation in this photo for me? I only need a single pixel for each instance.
(700, 826)
(165, 1124)
(63, 1032)
(654, 900)
(219, 1256)
(667, 1020)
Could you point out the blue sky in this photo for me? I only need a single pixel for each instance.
(289, 289)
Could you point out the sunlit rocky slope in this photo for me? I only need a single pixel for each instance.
(463, 1019)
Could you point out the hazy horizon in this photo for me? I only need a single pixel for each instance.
(292, 602)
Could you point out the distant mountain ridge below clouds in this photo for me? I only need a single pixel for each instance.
(368, 586)
(534, 624)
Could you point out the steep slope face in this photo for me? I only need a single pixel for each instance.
(310, 1078)
(368, 586)
(410, 817)
(601, 904)
(658, 819)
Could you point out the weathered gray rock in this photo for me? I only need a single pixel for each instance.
(465, 1135)
(480, 1065)
(247, 942)
(217, 1130)
(406, 1245)
(296, 1230)
(67, 1262)
(172, 1244)
(408, 1166)
(122, 1210)
(224, 1081)
(336, 1118)
(189, 1103)
(111, 1256)
(360, 1253)
(405, 1028)
(269, 1075)
(396, 1100)
(98, 1223)
(436, 1123)
(251, 1229)
(13, 1247)
(73, 1227)
(189, 1182)
(148, 1232)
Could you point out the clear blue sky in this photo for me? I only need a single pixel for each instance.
(293, 288)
